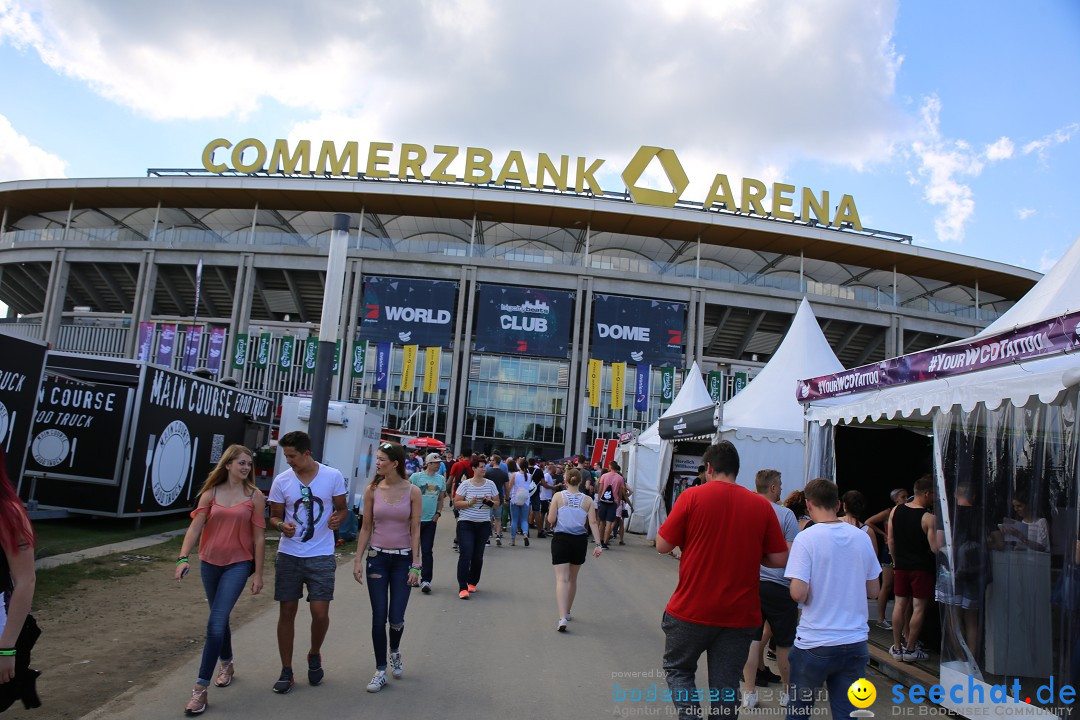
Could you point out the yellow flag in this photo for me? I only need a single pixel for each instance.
(596, 370)
(618, 382)
(431, 370)
(408, 368)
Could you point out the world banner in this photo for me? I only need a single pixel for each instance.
(1047, 337)
(523, 320)
(404, 311)
(641, 388)
(636, 330)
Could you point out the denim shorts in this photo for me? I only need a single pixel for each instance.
(294, 572)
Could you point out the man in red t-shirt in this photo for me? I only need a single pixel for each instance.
(726, 532)
(462, 468)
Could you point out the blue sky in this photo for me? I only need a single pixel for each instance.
(957, 123)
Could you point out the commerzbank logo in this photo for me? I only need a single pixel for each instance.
(672, 168)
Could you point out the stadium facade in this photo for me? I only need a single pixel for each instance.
(488, 294)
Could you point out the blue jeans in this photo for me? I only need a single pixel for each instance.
(223, 585)
(834, 666)
(519, 519)
(471, 538)
(388, 589)
(725, 649)
(427, 545)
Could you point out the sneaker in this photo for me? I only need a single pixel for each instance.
(197, 704)
(472, 588)
(487, 544)
(285, 682)
(770, 655)
(749, 699)
(884, 624)
(526, 541)
(455, 550)
(541, 534)
(568, 618)
(425, 587)
(784, 698)
(896, 653)
(498, 540)
(766, 677)
(378, 681)
(562, 625)
(463, 595)
(225, 674)
(916, 655)
(314, 669)
(396, 668)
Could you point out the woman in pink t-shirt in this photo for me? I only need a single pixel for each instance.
(230, 517)
(609, 495)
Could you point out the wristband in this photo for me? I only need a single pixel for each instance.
(7, 652)
(280, 524)
(181, 560)
(414, 571)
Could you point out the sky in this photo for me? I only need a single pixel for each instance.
(957, 123)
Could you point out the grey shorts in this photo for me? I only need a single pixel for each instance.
(294, 572)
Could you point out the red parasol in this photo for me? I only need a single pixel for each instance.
(426, 442)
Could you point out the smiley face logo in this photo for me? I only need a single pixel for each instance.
(862, 693)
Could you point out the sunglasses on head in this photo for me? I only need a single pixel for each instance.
(386, 446)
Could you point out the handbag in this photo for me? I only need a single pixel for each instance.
(24, 685)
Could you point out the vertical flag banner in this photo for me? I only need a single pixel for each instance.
(311, 352)
(598, 451)
(217, 346)
(146, 340)
(166, 345)
(641, 388)
(716, 385)
(667, 384)
(286, 356)
(198, 285)
(596, 369)
(618, 384)
(408, 368)
(240, 351)
(431, 370)
(383, 352)
(359, 353)
(609, 455)
(262, 353)
(192, 340)
(337, 357)
(740, 381)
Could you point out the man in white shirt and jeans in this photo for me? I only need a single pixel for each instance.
(833, 571)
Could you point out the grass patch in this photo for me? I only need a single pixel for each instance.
(63, 535)
(55, 582)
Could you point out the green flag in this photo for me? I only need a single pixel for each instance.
(240, 350)
(286, 357)
(667, 384)
(262, 353)
(740, 381)
(337, 356)
(311, 351)
(359, 350)
(716, 385)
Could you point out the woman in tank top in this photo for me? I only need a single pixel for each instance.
(17, 577)
(389, 547)
(517, 493)
(229, 523)
(568, 512)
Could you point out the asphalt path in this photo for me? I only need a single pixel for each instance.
(497, 654)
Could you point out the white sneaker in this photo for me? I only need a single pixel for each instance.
(568, 618)
(896, 653)
(562, 625)
(749, 699)
(378, 681)
(395, 665)
(916, 655)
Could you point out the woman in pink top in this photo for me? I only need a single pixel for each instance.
(230, 517)
(609, 494)
(389, 547)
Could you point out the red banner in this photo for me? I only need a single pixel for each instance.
(598, 451)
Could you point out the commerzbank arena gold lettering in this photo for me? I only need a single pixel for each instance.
(566, 173)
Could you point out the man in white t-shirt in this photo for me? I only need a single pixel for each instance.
(307, 504)
(833, 571)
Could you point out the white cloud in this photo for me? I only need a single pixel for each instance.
(742, 87)
(1024, 213)
(20, 160)
(1043, 144)
(1047, 261)
(1000, 150)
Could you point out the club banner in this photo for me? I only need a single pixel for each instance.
(618, 384)
(285, 357)
(523, 320)
(408, 368)
(359, 352)
(213, 353)
(641, 388)
(406, 311)
(431, 369)
(716, 385)
(262, 353)
(1047, 337)
(146, 341)
(667, 384)
(240, 350)
(166, 345)
(311, 354)
(635, 330)
(192, 341)
(383, 353)
(596, 371)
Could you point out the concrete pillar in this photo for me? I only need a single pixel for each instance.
(142, 307)
(573, 392)
(55, 297)
(459, 376)
(354, 281)
(578, 391)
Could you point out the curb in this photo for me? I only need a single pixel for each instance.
(134, 544)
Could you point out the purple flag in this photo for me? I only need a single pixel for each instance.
(217, 344)
(166, 345)
(382, 365)
(191, 348)
(146, 339)
(641, 387)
